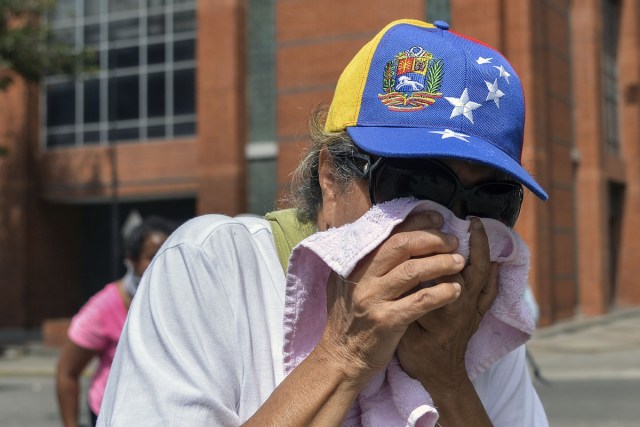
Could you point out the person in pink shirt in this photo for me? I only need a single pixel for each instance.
(95, 329)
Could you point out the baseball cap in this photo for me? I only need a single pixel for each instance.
(419, 90)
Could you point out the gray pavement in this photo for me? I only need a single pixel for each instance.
(600, 348)
(591, 367)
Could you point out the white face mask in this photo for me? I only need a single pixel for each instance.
(131, 280)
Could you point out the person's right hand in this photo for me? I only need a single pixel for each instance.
(369, 311)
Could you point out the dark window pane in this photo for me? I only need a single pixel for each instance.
(61, 140)
(122, 30)
(184, 21)
(155, 95)
(92, 60)
(91, 101)
(156, 3)
(61, 104)
(91, 34)
(184, 50)
(91, 138)
(123, 98)
(155, 25)
(184, 94)
(91, 7)
(117, 135)
(180, 129)
(155, 53)
(123, 5)
(123, 58)
(156, 132)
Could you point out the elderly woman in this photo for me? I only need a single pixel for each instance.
(204, 344)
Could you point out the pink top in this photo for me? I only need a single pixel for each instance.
(97, 326)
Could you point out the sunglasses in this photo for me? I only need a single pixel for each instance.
(430, 179)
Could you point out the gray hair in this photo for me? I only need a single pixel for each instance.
(306, 194)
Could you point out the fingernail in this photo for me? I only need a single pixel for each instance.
(451, 238)
(435, 217)
(459, 259)
(457, 287)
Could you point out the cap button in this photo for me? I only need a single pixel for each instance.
(442, 25)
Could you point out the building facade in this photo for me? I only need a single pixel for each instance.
(200, 106)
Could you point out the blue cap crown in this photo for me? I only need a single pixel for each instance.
(419, 90)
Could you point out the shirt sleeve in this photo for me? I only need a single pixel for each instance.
(87, 327)
(508, 394)
(178, 360)
(175, 361)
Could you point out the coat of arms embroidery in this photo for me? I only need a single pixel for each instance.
(412, 80)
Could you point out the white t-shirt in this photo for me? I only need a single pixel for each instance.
(203, 340)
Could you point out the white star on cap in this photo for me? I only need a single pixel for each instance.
(494, 93)
(503, 73)
(482, 60)
(462, 105)
(448, 133)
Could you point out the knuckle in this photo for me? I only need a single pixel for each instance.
(411, 270)
(400, 241)
(379, 316)
(397, 246)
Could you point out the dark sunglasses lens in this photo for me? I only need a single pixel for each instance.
(429, 180)
(419, 179)
(497, 200)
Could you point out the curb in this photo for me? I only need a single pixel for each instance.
(577, 324)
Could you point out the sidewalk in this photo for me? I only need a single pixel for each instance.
(28, 359)
(604, 347)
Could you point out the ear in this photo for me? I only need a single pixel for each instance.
(326, 179)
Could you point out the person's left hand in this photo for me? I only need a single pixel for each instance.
(433, 348)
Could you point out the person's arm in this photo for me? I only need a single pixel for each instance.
(73, 360)
(368, 313)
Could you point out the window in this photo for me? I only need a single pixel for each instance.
(144, 83)
(611, 24)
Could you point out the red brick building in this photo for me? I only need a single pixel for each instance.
(201, 106)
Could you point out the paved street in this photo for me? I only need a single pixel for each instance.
(593, 370)
(27, 389)
(592, 367)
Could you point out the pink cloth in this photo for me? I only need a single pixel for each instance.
(97, 326)
(392, 397)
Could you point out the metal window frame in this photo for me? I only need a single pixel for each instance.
(103, 47)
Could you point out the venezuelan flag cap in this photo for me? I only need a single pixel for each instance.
(420, 90)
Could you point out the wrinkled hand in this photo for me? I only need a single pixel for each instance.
(369, 311)
(433, 348)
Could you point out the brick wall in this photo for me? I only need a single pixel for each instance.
(14, 183)
(314, 46)
(315, 41)
(629, 89)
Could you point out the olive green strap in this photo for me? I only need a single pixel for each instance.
(288, 232)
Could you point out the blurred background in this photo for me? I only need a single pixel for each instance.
(187, 107)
